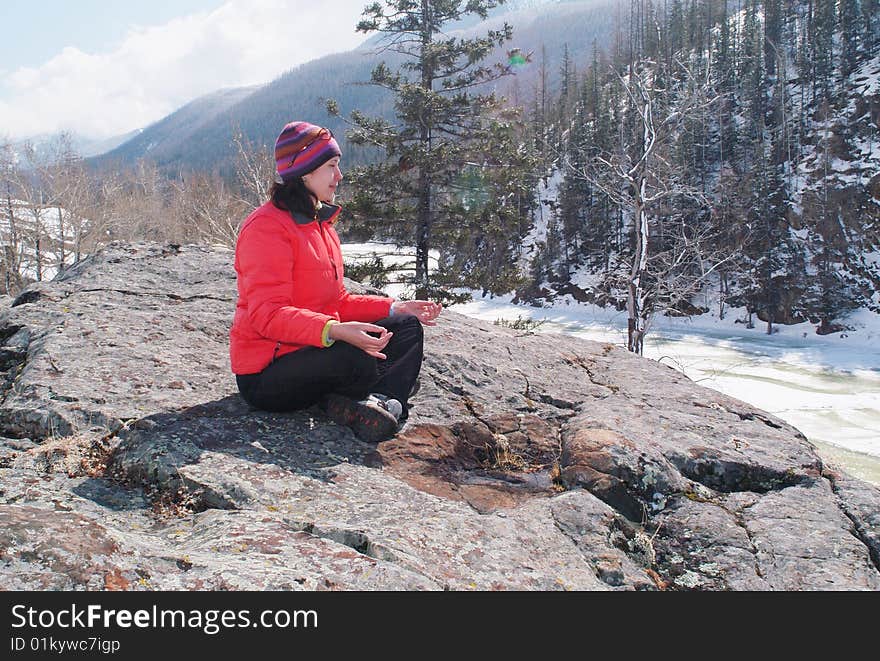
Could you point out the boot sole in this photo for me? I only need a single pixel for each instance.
(369, 424)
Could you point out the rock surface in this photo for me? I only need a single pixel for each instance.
(534, 462)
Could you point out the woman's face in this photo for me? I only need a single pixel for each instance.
(322, 181)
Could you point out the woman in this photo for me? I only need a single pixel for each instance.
(298, 337)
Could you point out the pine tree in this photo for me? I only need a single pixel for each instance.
(871, 24)
(446, 120)
(725, 58)
(494, 199)
(676, 27)
(541, 121)
(566, 78)
(822, 43)
(752, 68)
(772, 34)
(850, 33)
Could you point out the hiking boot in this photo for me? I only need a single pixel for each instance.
(390, 404)
(369, 419)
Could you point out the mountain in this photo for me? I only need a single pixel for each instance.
(46, 144)
(543, 29)
(86, 147)
(169, 139)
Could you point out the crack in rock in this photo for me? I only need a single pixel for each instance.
(750, 415)
(556, 402)
(739, 519)
(577, 361)
(448, 386)
(360, 542)
(355, 539)
(172, 296)
(859, 530)
(27, 296)
(605, 541)
(708, 467)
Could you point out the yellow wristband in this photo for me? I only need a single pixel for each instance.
(325, 334)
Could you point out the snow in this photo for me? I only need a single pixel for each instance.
(586, 279)
(547, 194)
(867, 148)
(867, 79)
(839, 165)
(391, 255)
(51, 220)
(863, 83)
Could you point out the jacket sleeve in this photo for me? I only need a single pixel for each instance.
(359, 307)
(264, 262)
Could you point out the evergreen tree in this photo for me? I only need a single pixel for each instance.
(850, 31)
(494, 199)
(822, 44)
(566, 78)
(446, 119)
(871, 24)
(676, 27)
(772, 34)
(752, 68)
(830, 293)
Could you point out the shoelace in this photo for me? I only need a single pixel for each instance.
(385, 402)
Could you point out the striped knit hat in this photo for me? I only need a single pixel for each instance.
(301, 148)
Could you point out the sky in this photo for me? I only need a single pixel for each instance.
(102, 68)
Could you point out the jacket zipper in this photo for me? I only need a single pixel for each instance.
(329, 250)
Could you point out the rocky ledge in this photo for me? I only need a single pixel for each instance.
(530, 461)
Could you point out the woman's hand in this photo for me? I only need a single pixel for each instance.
(424, 311)
(359, 335)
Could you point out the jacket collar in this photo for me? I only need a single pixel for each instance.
(326, 214)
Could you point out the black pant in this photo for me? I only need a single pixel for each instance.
(302, 378)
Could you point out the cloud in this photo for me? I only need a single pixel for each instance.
(155, 70)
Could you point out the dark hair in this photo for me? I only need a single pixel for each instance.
(293, 196)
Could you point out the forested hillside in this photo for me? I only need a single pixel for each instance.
(720, 147)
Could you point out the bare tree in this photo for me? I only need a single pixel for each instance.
(208, 210)
(47, 194)
(28, 184)
(10, 235)
(72, 191)
(138, 206)
(254, 170)
(211, 208)
(640, 178)
(109, 189)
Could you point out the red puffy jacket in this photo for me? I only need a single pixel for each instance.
(289, 285)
